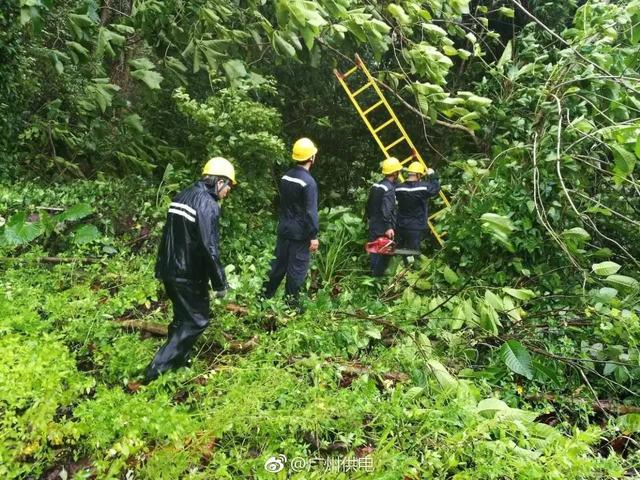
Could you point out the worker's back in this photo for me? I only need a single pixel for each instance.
(412, 197)
(298, 218)
(190, 238)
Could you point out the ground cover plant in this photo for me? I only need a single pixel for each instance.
(511, 352)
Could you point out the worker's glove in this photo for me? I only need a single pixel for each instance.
(430, 171)
(221, 293)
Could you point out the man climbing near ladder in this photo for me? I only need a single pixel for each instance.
(297, 226)
(412, 197)
(381, 211)
(392, 123)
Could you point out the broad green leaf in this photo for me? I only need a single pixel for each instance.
(234, 69)
(308, 35)
(622, 281)
(490, 406)
(464, 54)
(85, 234)
(499, 226)
(577, 233)
(18, 231)
(283, 47)
(451, 51)
(624, 162)
(430, 27)
(498, 222)
(151, 78)
(78, 50)
(442, 375)
(517, 358)
(470, 314)
(489, 319)
(142, 63)
(604, 269)
(493, 300)
(449, 275)
(519, 293)
(506, 55)
(507, 12)
(373, 333)
(77, 212)
(629, 423)
(399, 14)
(134, 121)
(605, 294)
(106, 40)
(413, 392)
(458, 317)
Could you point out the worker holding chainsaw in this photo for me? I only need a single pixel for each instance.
(413, 196)
(381, 211)
(189, 259)
(297, 226)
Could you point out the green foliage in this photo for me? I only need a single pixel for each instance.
(19, 230)
(38, 378)
(341, 245)
(517, 358)
(439, 371)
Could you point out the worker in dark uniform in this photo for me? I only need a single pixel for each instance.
(381, 211)
(297, 226)
(412, 197)
(189, 259)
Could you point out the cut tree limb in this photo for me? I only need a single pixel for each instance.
(157, 329)
(53, 260)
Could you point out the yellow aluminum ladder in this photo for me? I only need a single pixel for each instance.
(393, 120)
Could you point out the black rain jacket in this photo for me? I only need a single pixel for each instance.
(381, 208)
(298, 218)
(189, 249)
(412, 202)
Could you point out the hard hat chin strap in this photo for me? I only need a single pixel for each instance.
(225, 183)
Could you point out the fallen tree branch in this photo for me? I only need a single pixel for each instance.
(53, 260)
(237, 309)
(157, 329)
(237, 346)
(602, 405)
(160, 330)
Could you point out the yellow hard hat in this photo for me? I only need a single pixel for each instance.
(303, 150)
(220, 167)
(417, 167)
(390, 165)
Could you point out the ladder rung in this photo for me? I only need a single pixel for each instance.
(373, 107)
(349, 72)
(438, 213)
(391, 145)
(410, 157)
(361, 89)
(385, 124)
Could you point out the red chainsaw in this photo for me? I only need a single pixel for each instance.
(386, 246)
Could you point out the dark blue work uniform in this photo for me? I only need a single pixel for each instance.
(188, 260)
(413, 211)
(297, 226)
(381, 213)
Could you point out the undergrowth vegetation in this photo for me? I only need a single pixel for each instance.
(511, 352)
